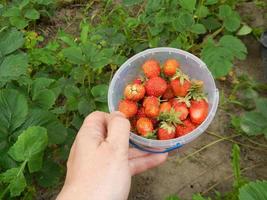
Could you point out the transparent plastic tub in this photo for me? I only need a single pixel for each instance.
(191, 65)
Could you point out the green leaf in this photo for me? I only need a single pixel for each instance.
(55, 129)
(211, 23)
(31, 13)
(236, 46)
(23, 3)
(198, 29)
(199, 197)
(12, 12)
(219, 57)
(188, 4)
(86, 106)
(236, 164)
(41, 94)
(18, 22)
(35, 163)
(131, 2)
(50, 174)
(16, 180)
(13, 66)
(202, 11)
(84, 32)
(14, 110)
(244, 30)
(183, 22)
(67, 38)
(74, 55)
(254, 191)
(253, 123)
(100, 92)
(173, 197)
(211, 2)
(261, 105)
(232, 23)
(31, 142)
(11, 40)
(230, 18)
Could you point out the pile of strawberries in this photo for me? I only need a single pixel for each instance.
(164, 104)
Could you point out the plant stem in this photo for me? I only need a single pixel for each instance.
(233, 141)
(206, 146)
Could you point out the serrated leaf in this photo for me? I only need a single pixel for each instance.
(41, 94)
(244, 30)
(67, 38)
(30, 142)
(236, 164)
(50, 175)
(55, 129)
(253, 191)
(210, 2)
(188, 4)
(10, 41)
(86, 106)
(198, 29)
(219, 57)
(84, 32)
(12, 12)
(202, 11)
(31, 13)
(16, 180)
(35, 162)
(74, 55)
(13, 66)
(211, 23)
(100, 92)
(18, 22)
(183, 22)
(253, 123)
(232, 23)
(14, 109)
(261, 105)
(236, 46)
(23, 3)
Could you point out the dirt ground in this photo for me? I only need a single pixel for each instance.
(209, 170)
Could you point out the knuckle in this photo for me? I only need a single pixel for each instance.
(93, 116)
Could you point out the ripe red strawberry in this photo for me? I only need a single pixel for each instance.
(140, 113)
(198, 111)
(128, 108)
(168, 94)
(151, 100)
(144, 126)
(151, 68)
(155, 86)
(180, 88)
(166, 132)
(152, 111)
(134, 92)
(138, 81)
(184, 128)
(165, 107)
(181, 108)
(170, 66)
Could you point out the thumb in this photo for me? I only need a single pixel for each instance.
(118, 131)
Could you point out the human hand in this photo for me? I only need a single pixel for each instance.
(100, 163)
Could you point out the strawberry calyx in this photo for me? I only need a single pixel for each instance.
(181, 76)
(151, 135)
(168, 127)
(196, 91)
(185, 100)
(171, 117)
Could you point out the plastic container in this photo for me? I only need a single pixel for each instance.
(191, 65)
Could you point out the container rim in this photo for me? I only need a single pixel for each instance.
(180, 140)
